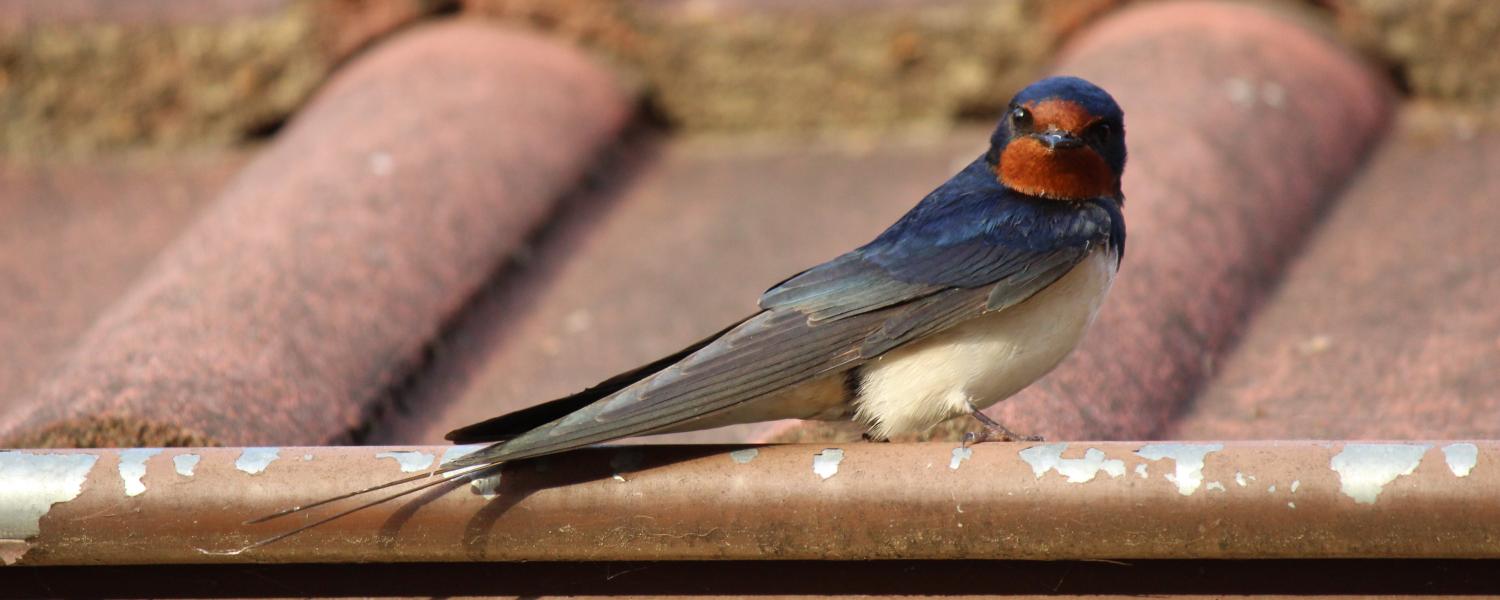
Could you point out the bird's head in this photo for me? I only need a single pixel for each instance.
(1063, 138)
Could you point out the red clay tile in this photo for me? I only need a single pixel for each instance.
(316, 279)
(1386, 326)
(73, 237)
(1242, 123)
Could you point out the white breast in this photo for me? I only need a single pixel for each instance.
(984, 360)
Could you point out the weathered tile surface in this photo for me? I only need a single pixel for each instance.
(74, 237)
(1386, 326)
(311, 286)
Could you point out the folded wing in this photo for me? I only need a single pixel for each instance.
(825, 320)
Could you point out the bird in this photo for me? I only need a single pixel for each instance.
(978, 291)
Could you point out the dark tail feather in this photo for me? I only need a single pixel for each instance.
(359, 492)
(510, 425)
(475, 470)
(513, 424)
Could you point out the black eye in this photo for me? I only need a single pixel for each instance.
(1020, 118)
(1101, 132)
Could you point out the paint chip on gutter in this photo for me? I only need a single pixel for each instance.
(826, 463)
(255, 460)
(31, 483)
(744, 456)
(1461, 458)
(1365, 469)
(456, 452)
(1189, 459)
(1048, 457)
(185, 463)
(487, 486)
(960, 454)
(411, 461)
(133, 469)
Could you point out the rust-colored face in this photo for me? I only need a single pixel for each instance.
(1035, 163)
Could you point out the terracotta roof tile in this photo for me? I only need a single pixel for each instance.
(74, 237)
(314, 282)
(1385, 327)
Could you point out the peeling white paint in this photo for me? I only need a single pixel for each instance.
(1296, 483)
(456, 452)
(1461, 458)
(31, 483)
(1365, 469)
(1214, 485)
(826, 463)
(185, 463)
(1272, 489)
(1141, 470)
(1291, 505)
(1048, 457)
(744, 456)
(306, 457)
(1239, 478)
(255, 460)
(1189, 459)
(133, 468)
(411, 461)
(487, 486)
(960, 454)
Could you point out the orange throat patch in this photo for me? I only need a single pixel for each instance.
(1029, 167)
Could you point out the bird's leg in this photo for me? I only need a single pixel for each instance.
(993, 430)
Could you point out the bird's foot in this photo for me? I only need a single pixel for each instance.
(993, 431)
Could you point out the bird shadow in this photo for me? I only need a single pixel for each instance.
(520, 479)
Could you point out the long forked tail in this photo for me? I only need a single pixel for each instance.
(441, 475)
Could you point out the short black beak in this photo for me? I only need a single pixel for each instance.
(1059, 140)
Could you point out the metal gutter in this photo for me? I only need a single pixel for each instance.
(1064, 501)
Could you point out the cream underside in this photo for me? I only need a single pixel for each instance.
(921, 384)
(984, 360)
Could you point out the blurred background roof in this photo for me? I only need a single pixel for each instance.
(290, 222)
(315, 222)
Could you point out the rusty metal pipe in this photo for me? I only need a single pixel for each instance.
(1105, 500)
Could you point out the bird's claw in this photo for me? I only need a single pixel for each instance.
(1003, 435)
(993, 430)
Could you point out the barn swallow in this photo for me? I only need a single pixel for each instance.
(982, 288)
